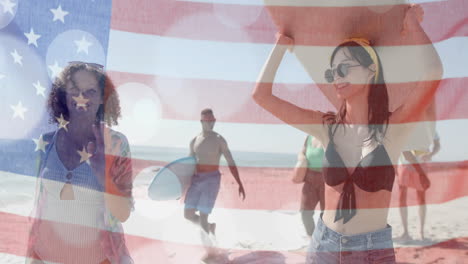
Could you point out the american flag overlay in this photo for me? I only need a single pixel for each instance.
(170, 59)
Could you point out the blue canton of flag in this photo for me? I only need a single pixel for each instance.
(37, 40)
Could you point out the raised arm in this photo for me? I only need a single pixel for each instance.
(286, 111)
(424, 89)
(435, 149)
(119, 178)
(232, 165)
(112, 165)
(300, 170)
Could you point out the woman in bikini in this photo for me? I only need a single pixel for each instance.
(84, 182)
(362, 141)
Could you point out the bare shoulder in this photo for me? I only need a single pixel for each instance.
(116, 135)
(119, 138)
(220, 138)
(220, 141)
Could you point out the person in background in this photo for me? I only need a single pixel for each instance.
(411, 174)
(309, 171)
(84, 185)
(207, 148)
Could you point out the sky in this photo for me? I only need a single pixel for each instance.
(181, 59)
(147, 127)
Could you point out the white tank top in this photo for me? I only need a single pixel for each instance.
(69, 230)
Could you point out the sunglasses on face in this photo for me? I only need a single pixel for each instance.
(342, 70)
(90, 64)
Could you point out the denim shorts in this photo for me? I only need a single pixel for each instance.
(328, 246)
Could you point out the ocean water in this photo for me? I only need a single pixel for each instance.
(19, 156)
(242, 158)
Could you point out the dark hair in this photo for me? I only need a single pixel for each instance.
(109, 112)
(378, 111)
(207, 111)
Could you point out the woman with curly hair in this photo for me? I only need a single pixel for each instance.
(84, 187)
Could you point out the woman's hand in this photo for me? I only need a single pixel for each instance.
(241, 192)
(106, 151)
(97, 150)
(427, 157)
(425, 182)
(300, 170)
(414, 16)
(103, 151)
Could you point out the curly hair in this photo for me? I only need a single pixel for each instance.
(109, 112)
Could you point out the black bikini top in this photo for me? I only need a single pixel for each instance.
(373, 173)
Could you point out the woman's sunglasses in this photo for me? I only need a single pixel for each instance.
(90, 64)
(342, 70)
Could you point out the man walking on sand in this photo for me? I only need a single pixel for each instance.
(207, 148)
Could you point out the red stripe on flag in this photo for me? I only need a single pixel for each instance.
(241, 108)
(14, 234)
(447, 183)
(15, 229)
(227, 22)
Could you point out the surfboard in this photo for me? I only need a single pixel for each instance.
(329, 22)
(171, 181)
(318, 26)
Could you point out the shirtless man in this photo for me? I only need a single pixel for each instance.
(207, 149)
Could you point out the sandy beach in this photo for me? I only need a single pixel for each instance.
(157, 230)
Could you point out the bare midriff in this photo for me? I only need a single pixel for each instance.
(371, 214)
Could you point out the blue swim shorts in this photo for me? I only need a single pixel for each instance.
(203, 191)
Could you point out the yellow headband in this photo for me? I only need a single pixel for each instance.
(366, 45)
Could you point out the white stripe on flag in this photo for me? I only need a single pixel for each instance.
(263, 138)
(317, 3)
(200, 59)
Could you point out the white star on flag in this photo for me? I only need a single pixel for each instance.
(7, 6)
(40, 90)
(83, 45)
(40, 144)
(62, 122)
(2, 76)
(80, 101)
(18, 110)
(84, 155)
(59, 14)
(32, 37)
(16, 57)
(55, 69)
